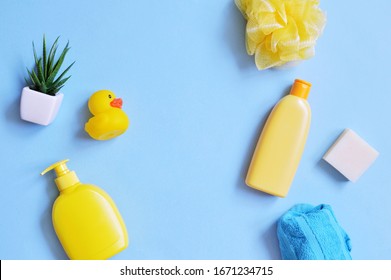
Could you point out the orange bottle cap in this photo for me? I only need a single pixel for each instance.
(301, 88)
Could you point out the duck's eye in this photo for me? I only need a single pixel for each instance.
(110, 96)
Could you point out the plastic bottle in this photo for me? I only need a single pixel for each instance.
(85, 218)
(281, 144)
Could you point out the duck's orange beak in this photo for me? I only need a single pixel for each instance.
(117, 103)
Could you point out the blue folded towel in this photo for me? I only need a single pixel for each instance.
(306, 232)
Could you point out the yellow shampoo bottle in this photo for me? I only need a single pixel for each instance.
(85, 218)
(281, 144)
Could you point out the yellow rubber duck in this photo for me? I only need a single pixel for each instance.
(109, 120)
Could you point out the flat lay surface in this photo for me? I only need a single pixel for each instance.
(196, 104)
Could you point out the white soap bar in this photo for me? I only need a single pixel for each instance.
(351, 155)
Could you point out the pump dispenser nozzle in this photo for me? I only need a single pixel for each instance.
(65, 178)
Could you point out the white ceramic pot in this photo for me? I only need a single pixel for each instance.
(38, 107)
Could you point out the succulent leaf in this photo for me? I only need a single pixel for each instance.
(34, 78)
(52, 54)
(58, 65)
(45, 69)
(58, 86)
(40, 70)
(63, 73)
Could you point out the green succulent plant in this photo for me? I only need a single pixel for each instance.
(43, 77)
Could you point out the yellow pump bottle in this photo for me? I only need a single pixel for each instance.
(85, 218)
(281, 144)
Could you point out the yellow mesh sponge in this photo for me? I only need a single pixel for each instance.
(280, 31)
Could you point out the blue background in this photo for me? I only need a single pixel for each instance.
(197, 104)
